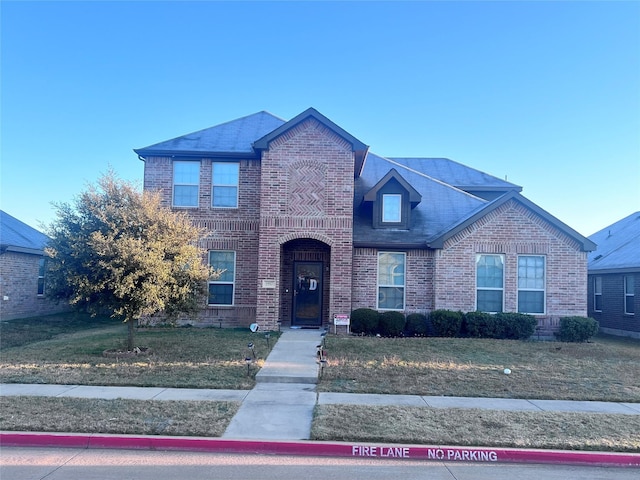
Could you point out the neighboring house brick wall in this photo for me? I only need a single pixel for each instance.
(612, 318)
(19, 288)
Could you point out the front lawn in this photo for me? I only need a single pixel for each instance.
(180, 357)
(608, 369)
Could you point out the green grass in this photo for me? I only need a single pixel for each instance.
(180, 357)
(607, 369)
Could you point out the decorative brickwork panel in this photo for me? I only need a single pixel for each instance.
(307, 190)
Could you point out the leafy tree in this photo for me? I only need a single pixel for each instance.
(117, 250)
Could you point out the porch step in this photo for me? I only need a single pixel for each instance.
(293, 358)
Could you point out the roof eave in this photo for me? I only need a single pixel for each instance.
(143, 154)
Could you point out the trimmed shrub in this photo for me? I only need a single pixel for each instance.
(480, 325)
(577, 329)
(365, 321)
(391, 324)
(515, 326)
(446, 323)
(416, 325)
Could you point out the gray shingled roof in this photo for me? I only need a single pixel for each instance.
(457, 174)
(442, 205)
(17, 236)
(234, 137)
(618, 247)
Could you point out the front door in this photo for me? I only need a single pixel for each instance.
(307, 294)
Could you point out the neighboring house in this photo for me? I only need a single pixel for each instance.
(22, 271)
(614, 277)
(308, 224)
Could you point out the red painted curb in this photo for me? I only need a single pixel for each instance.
(320, 449)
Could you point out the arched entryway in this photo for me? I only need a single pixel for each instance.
(305, 283)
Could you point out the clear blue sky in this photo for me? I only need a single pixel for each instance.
(544, 93)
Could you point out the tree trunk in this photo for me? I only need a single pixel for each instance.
(130, 335)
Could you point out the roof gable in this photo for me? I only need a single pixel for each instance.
(359, 148)
(414, 195)
(438, 240)
(227, 139)
(17, 236)
(618, 246)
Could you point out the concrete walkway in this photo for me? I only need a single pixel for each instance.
(281, 405)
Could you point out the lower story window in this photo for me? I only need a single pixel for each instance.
(597, 294)
(41, 265)
(489, 283)
(391, 280)
(629, 295)
(531, 284)
(221, 289)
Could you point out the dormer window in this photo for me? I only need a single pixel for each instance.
(391, 208)
(392, 200)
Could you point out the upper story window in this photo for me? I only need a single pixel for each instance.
(597, 294)
(531, 284)
(224, 189)
(186, 184)
(391, 280)
(489, 283)
(391, 208)
(629, 295)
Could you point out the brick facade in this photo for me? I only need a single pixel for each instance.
(19, 288)
(296, 204)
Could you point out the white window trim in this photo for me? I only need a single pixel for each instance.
(597, 293)
(475, 272)
(403, 286)
(399, 212)
(626, 295)
(543, 289)
(217, 282)
(174, 185)
(236, 185)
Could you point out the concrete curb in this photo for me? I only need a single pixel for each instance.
(320, 449)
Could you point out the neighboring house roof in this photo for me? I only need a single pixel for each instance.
(618, 247)
(17, 236)
(228, 139)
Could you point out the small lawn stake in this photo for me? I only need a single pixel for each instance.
(267, 336)
(248, 360)
(253, 352)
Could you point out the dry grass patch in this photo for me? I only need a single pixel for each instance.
(473, 427)
(181, 357)
(134, 417)
(607, 369)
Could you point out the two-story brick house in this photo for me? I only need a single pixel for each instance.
(307, 224)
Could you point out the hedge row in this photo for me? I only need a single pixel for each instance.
(448, 323)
